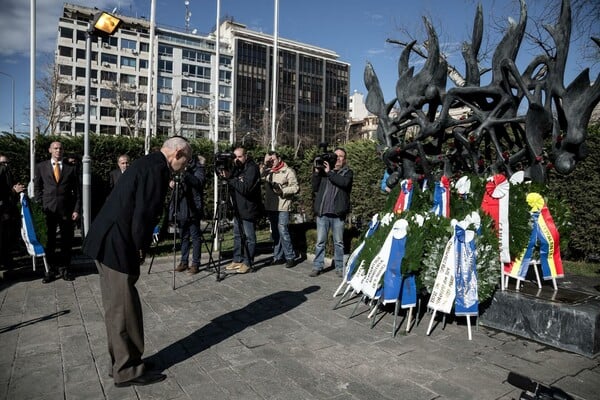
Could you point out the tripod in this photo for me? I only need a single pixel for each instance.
(219, 219)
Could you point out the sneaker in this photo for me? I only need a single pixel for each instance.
(277, 261)
(314, 272)
(289, 264)
(233, 265)
(193, 270)
(339, 273)
(181, 267)
(243, 268)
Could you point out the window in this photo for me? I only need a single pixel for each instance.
(224, 91)
(143, 64)
(165, 50)
(81, 36)
(163, 98)
(108, 58)
(110, 40)
(80, 72)
(165, 66)
(108, 130)
(65, 51)
(107, 93)
(128, 44)
(127, 79)
(163, 115)
(225, 61)
(108, 112)
(165, 82)
(109, 76)
(225, 76)
(145, 47)
(66, 33)
(65, 70)
(224, 105)
(143, 81)
(64, 88)
(79, 128)
(195, 70)
(128, 62)
(65, 127)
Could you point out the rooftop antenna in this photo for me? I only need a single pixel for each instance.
(188, 15)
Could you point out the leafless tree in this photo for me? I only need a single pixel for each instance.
(55, 101)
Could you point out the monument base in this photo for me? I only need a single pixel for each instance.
(567, 319)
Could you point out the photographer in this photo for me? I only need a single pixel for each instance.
(188, 212)
(280, 185)
(244, 180)
(332, 188)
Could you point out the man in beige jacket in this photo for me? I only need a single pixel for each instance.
(280, 186)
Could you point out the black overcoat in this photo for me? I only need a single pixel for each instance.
(125, 223)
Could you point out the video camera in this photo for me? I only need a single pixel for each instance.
(535, 390)
(327, 156)
(224, 161)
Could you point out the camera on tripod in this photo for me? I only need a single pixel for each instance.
(224, 161)
(327, 156)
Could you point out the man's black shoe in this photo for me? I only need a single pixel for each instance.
(147, 379)
(277, 261)
(47, 278)
(314, 272)
(149, 366)
(67, 276)
(290, 264)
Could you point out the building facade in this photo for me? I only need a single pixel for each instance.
(312, 90)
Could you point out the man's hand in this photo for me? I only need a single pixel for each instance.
(225, 174)
(75, 216)
(18, 188)
(201, 160)
(327, 167)
(277, 189)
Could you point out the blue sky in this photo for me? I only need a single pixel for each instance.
(355, 29)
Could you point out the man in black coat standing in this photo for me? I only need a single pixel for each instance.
(57, 190)
(117, 240)
(122, 164)
(244, 188)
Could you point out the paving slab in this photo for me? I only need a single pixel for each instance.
(271, 334)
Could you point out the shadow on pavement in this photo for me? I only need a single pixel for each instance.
(228, 325)
(34, 321)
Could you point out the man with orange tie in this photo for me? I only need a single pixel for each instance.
(56, 188)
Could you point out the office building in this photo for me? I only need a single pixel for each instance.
(312, 92)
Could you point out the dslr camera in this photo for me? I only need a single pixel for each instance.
(224, 161)
(327, 156)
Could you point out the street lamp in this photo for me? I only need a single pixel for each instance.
(13, 99)
(103, 24)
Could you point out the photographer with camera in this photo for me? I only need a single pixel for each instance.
(244, 180)
(280, 185)
(188, 211)
(332, 184)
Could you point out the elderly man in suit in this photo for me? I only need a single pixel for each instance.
(57, 190)
(118, 239)
(122, 164)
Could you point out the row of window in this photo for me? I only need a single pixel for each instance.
(106, 42)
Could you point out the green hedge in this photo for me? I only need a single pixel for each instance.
(581, 189)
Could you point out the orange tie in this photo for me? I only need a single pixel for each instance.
(56, 171)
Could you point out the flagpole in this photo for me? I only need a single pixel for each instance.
(32, 127)
(216, 120)
(275, 75)
(149, 98)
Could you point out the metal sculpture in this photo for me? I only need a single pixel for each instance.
(421, 138)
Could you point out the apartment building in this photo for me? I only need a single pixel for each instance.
(312, 91)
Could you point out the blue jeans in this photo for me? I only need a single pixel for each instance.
(324, 224)
(282, 242)
(190, 229)
(244, 252)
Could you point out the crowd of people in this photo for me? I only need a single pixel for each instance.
(121, 233)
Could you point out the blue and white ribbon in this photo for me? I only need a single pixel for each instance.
(34, 248)
(467, 301)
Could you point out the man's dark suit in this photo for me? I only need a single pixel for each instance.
(59, 200)
(114, 176)
(121, 230)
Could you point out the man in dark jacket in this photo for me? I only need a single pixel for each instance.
(117, 240)
(332, 187)
(187, 209)
(9, 212)
(57, 190)
(244, 190)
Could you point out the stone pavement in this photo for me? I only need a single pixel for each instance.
(271, 334)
